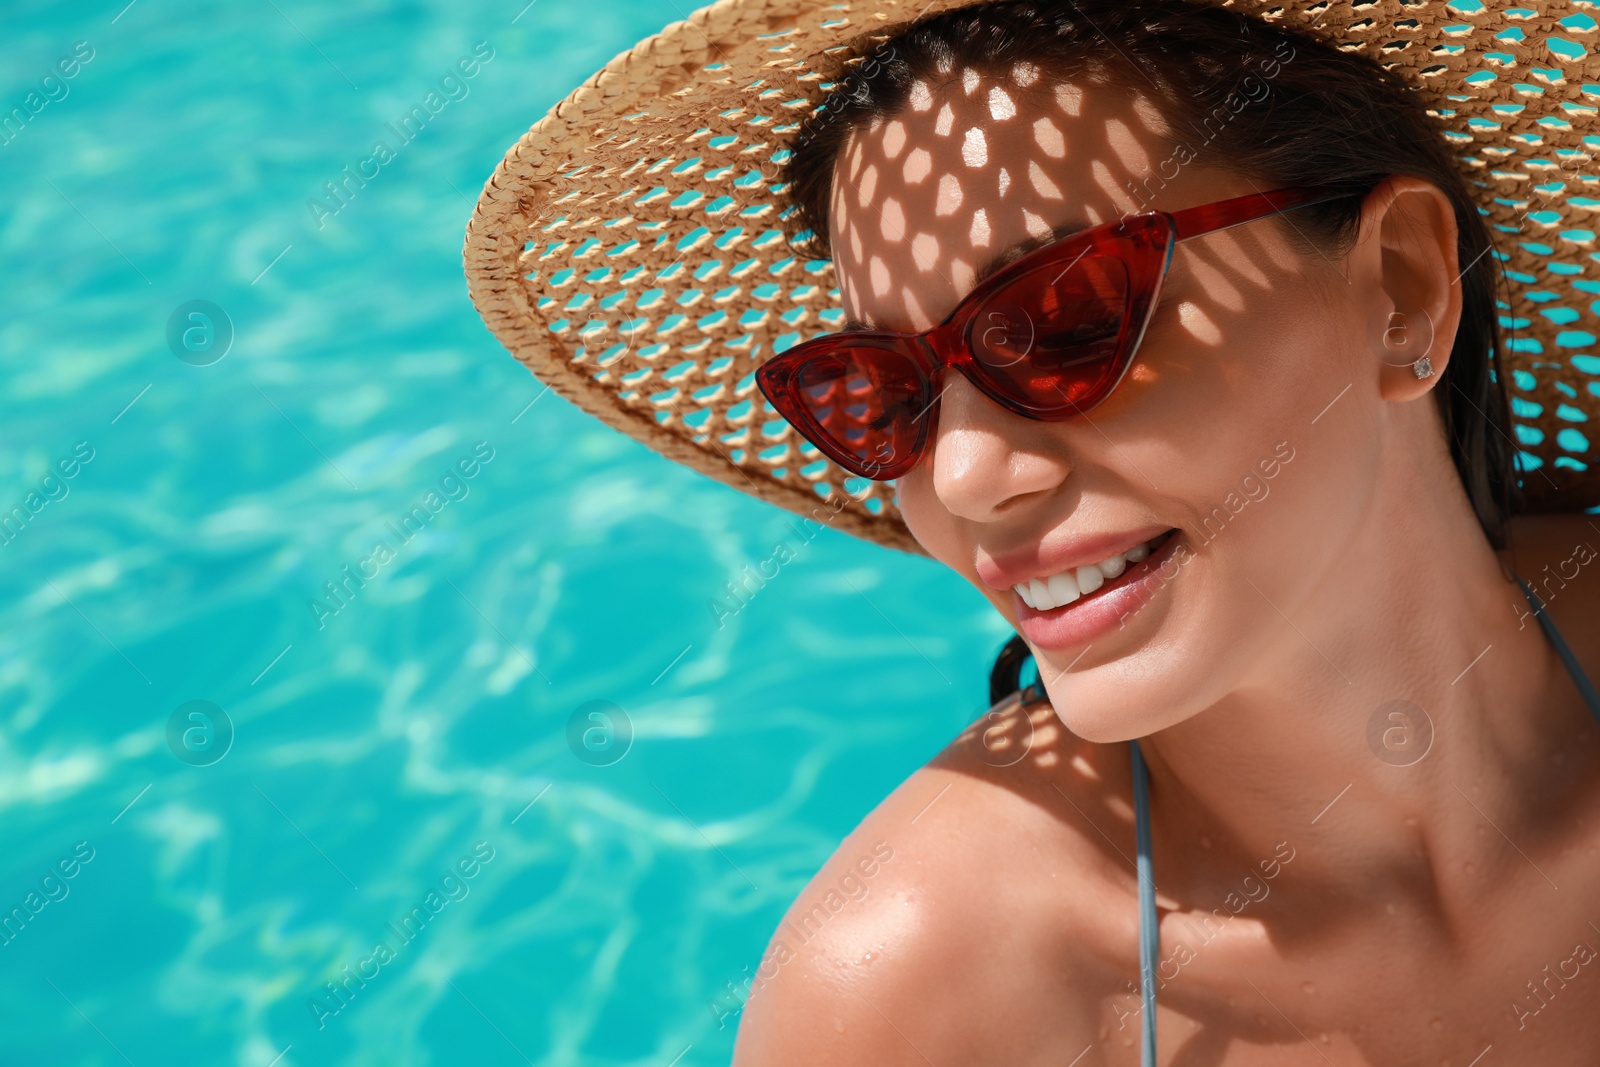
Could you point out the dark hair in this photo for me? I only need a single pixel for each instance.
(1331, 118)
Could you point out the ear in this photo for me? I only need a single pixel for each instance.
(1415, 294)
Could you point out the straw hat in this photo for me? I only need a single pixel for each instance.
(629, 249)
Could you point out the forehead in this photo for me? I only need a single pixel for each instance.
(978, 161)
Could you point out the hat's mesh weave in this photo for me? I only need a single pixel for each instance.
(630, 248)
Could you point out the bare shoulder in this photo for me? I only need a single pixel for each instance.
(965, 920)
(1559, 556)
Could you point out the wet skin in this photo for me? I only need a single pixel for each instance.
(1419, 897)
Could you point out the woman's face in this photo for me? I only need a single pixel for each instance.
(1221, 431)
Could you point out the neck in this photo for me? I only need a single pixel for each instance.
(1408, 710)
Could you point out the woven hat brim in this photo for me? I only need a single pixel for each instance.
(628, 249)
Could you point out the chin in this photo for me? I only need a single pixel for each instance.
(1155, 663)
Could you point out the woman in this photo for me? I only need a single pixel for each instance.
(1171, 329)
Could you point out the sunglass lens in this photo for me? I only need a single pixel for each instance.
(1053, 339)
(865, 403)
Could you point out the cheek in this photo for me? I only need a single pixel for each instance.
(1195, 322)
(1259, 392)
(1209, 373)
(931, 523)
(1212, 393)
(920, 508)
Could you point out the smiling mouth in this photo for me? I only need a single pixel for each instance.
(1093, 580)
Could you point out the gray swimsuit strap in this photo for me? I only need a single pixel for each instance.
(1591, 696)
(1149, 945)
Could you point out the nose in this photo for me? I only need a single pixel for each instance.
(987, 460)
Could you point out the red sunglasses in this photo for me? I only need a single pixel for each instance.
(1049, 336)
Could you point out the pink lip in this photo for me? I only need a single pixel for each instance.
(1046, 558)
(1089, 617)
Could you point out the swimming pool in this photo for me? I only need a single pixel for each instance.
(412, 762)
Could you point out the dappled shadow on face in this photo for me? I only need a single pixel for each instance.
(975, 162)
(981, 163)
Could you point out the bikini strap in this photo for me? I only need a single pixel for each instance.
(1591, 696)
(1149, 931)
(1005, 679)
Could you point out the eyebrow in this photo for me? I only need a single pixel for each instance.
(1031, 244)
(1004, 259)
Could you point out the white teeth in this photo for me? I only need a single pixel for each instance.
(1061, 589)
(1089, 578)
(1064, 589)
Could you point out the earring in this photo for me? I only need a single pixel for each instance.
(1423, 368)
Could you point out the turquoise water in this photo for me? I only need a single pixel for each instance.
(381, 751)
